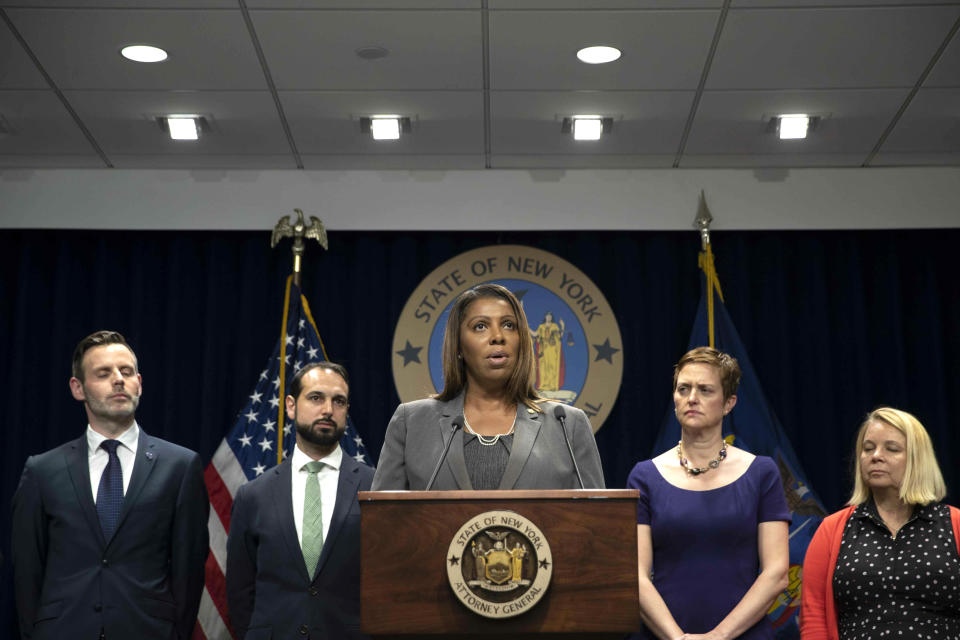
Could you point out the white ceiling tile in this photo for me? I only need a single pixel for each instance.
(40, 125)
(81, 49)
(921, 159)
(930, 124)
(243, 123)
(603, 5)
(202, 161)
(828, 48)
(120, 4)
(428, 50)
(17, 70)
(536, 50)
(49, 161)
(387, 5)
(645, 123)
(391, 162)
(946, 73)
(788, 4)
(763, 161)
(581, 161)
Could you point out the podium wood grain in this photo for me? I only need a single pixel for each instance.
(593, 540)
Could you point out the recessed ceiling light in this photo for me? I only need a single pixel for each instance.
(143, 53)
(587, 127)
(793, 126)
(598, 54)
(183, 127)
(385, 126)
(372, 52)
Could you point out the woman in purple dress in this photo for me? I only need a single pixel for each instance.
(711, 520)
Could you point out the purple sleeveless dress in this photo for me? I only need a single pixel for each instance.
(705, 542)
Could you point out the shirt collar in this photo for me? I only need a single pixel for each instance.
(128, 438)
(868, 509)
(332, 460)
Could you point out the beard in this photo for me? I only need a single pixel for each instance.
(103, 409)
(306, 431)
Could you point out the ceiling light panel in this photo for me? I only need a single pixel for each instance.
(143, 53)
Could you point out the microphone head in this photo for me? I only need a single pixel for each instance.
(458, 422)
(559, 413)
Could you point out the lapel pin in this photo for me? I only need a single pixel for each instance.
(149, 455)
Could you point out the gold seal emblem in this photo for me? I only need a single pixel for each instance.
(576, 338)
(499, 564)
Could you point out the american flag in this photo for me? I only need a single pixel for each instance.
(257, 440)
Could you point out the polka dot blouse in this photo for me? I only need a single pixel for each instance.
(903, 587)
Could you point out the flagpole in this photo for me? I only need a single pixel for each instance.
(298, 231)
(702, 223)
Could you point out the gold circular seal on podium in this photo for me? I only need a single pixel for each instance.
(577, 344)
(499, 564)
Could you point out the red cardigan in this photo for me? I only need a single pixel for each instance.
(818, 617)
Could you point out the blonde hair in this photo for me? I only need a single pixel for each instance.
(520, 385)
(922, 481)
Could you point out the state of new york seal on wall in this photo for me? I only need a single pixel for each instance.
(577, 344)
(499, 564)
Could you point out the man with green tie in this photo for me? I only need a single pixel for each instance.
(293, 551)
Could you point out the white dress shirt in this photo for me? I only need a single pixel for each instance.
(98, 458)
(328, 476)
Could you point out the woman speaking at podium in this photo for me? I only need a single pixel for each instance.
(488, 428)
(711, 519)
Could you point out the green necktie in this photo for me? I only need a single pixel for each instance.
(312, 518)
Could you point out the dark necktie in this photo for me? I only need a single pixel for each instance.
(110, 491)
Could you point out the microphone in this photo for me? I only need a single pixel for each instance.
(457, 424)
(561, 416)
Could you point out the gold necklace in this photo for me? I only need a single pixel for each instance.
(713, 464)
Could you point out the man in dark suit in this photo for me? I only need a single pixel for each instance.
(109, 530)
(293, 552)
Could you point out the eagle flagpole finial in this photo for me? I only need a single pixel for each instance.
(298, 231)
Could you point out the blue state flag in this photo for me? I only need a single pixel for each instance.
(753, 426)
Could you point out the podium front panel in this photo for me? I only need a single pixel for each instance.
(405, 536)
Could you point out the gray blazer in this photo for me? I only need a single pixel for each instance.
(539, 459)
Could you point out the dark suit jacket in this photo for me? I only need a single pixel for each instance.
(539, 459)
(269, 592)
(145, 582)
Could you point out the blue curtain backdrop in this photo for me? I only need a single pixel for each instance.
(836, 323)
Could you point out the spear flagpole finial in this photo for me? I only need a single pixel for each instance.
(702, 221)
(298, 231)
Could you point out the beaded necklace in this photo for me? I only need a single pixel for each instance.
(488, 441)
(713, 464)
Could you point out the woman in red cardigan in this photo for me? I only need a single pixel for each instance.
(888, 565)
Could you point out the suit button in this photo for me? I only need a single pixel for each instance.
(98, 607)
(314, 591)
(105, 562)
(303, 629)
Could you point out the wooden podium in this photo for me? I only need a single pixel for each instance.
(405, 537)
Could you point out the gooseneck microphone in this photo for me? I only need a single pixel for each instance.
(457, 424)
(561, 416)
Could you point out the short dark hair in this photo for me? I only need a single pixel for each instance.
(95, 339)
(296, 384)
(725, 364)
